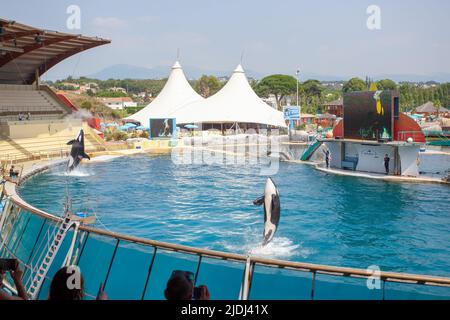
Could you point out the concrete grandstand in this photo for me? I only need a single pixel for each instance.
(34, 120)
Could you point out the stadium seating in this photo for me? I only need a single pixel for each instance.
(46, 145)
(17, 99)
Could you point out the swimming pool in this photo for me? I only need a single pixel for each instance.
(326, 219)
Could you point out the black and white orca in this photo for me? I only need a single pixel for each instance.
(271, 201)
(77, 152)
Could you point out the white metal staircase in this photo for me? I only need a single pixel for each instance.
(49, 246)
(5, 205)
(49, 252)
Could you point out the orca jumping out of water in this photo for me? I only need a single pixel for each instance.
(77, 152)
(271, 201)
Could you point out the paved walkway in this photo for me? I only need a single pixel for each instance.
(378, 176)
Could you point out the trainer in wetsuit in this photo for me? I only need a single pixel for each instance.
(386, 163)
(13, 173)
(327, 158)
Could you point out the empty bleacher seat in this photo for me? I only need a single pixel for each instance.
(16, 99)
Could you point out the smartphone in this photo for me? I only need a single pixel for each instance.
(8, 264)
(197, 293)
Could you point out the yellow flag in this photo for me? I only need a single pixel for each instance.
(373, 86)
(379, 107)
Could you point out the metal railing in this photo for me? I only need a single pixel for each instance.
(405, 135)
(50, 154)
(247, 261)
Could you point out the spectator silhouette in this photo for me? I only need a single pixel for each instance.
(68, 284)
(181, 287)
(13, 173)
(16, 275)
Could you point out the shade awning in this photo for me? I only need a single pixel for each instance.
(25, 50)
(176, 92)
(236, 102)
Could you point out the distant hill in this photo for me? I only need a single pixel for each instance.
(124, 71)
(438, 77)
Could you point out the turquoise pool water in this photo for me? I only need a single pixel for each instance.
(326, 219)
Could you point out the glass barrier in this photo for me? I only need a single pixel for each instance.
(135, 271)
(37, 249)
(330, 287)
(278, 284)
(13, 228)
(222, 277)
(410, 291)
(20, 230)
(26, 244)
(129, 270)
(165, 262)
(56, 264)
(95, 260)
(8, 229)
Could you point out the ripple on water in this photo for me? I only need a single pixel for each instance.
(325, 219)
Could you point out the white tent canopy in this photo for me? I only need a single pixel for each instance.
(236, 102)
(176, 92)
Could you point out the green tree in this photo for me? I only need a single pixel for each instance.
(111, 94)
(438, 105)
(86, 105)
(279, 85)
(406, 96)
(207, 85)
(386, 84)
(312, 89)
(354, 84)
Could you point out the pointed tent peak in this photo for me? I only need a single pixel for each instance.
(176, 65)
(239, 69)
(176, 92)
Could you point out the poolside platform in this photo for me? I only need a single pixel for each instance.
(377, 176)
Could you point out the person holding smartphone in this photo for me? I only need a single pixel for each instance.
(181, 287)
(61, 291)
(12, 266)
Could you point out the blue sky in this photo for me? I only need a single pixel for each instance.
(320, 37)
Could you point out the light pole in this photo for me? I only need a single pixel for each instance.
(297, 73)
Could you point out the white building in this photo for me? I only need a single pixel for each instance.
(119, 103)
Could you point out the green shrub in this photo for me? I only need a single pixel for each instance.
(119, 135)
(144, 134)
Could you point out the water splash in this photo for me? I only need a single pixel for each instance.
(278, 248)
(77, 172)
